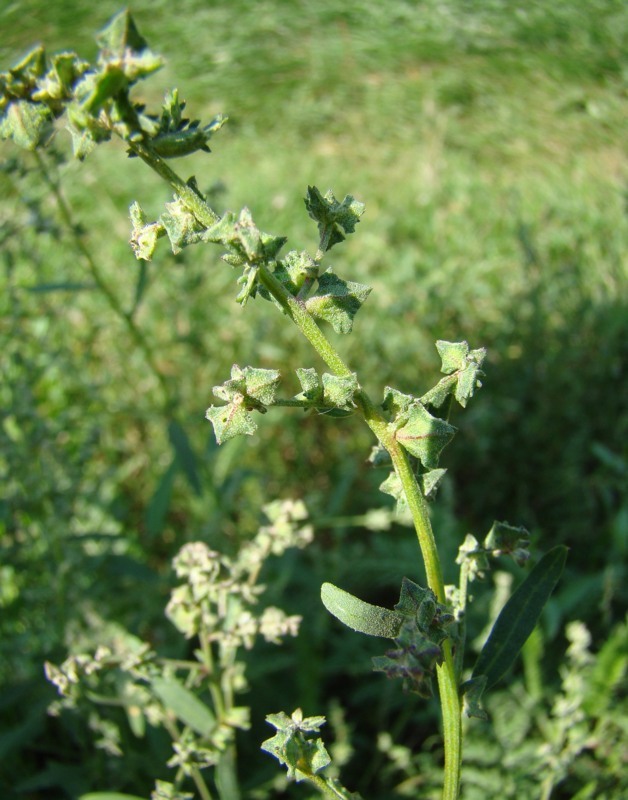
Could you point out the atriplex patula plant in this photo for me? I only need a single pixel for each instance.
(427, 625)
(194, 700)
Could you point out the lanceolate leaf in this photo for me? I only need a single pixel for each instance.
(184, 705)
(358, 615)
(519, 617)
(472, 691)
(160, 501)
(109, 796)
(185, 455)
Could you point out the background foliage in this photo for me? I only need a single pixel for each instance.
(487, 144)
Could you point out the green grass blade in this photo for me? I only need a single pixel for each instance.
(185, 455)
(160, 501)
(140, 286)
(519, 617)
(109, 796)
(62, 286)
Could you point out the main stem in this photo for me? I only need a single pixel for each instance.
(298, 313)
(446, 673)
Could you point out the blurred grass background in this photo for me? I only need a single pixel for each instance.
(488, 143)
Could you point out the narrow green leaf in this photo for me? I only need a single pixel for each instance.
(184, 704)
(140, 286)
(519, 617)
(358, 615)
(472, 691)
(66, 286)
(186, 457)
(136, 719)
(109, 796)
(160, 501)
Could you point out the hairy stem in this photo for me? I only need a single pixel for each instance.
(325, 788)
(195, 203)
(383, 430)
(446, 672)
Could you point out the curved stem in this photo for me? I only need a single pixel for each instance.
(446, 673)
(385, 433)
(199, 781)
(201, 210)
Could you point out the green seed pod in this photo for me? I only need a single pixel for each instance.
(180, 143)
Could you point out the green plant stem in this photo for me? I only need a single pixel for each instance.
(226, 775)
(201, 210)
(200, 783)
(302, 318)
(323, 786)
(385, 433)
(446, 672)
(196, 774)
(136, 334)
(463, 592)
(221, 691)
